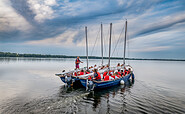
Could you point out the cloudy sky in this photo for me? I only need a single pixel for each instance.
(156, 28)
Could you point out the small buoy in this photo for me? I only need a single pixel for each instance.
(122, 82)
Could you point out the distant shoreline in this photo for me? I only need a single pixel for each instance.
(8, 54)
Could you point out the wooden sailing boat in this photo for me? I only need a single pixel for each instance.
(103, 84)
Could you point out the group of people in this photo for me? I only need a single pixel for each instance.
(107, 75)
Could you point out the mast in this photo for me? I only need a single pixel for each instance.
(110, 44)
(102, 42)
(125, 42)
(86, 46)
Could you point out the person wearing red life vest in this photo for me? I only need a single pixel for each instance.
(107, 78)
(117, 75)
(119, 72)
(77, 62)
(105, 73)
(87, 72)
(122, 73)
(82, 72)
(97, 75)
(75, 74)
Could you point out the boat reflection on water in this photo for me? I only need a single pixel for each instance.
(106, 100)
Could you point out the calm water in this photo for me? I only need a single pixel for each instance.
(28, 85)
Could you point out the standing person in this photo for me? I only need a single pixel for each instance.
(77, 62)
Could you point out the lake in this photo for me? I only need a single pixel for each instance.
(29, 85)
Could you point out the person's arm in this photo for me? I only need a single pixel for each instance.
(81, 62)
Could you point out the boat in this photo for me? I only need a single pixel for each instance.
(93, 84)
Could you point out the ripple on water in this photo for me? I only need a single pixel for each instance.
(138, 98)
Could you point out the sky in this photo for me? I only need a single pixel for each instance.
(156, 28)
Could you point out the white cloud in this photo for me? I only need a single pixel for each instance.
(10, 20)
(42, 9)
(64, 39)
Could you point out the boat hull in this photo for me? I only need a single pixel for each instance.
(105, 84)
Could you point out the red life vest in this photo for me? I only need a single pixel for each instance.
(99, 76)
(110, 73)
(81, 73)
(118, 76)
(89, 77)
(113, 76)
(104, 74)
(75, 74)
(106, 78)
(87, 72)
(119, 73)
(77, 61)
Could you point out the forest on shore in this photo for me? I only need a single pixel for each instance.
(8, 54)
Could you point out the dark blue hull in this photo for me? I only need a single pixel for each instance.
(105, 84)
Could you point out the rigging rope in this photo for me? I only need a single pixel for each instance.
(106, 39)
(95, 42)
(118, 41)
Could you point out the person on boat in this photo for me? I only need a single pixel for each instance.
(107, 78)
(111, 72)
(118, 66)
(75, 73)
(122, 73)
(105, 73)
(87, 72)
(82, 72)
(97, 75)
(95, 67)
(115, 76)
(129, 71)
(77, 62)
(90, 77)
(119, 72)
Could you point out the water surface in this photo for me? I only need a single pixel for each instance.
(28, 85)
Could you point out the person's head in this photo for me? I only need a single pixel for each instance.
(95, 70)
(121, 70)
(118, 64)
(95, 65)
(118, 70)
(82, 70)
(129, 69)
(78, 57)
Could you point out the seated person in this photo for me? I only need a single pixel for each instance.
(119, 72)
(122, 73)
(111, 72)
(87, 72)
(75, 73)
(114, 76)
(82, 72)
(129, 71)
(90, 77)
(119, 66)
(105, 73)
(97, 75)
(117, 75)
(107, 78)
